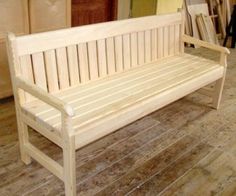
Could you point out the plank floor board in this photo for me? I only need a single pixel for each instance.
(184, 149)
(160, 181)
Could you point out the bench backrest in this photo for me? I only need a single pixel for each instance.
(60, 59)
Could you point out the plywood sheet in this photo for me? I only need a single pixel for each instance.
(48, 15)
(13, 17)
(195, 10)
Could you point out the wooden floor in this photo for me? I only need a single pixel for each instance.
(184, 149)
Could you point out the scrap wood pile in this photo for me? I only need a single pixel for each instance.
(208, 19)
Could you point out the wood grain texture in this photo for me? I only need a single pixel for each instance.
(209, 165)
(82, 113)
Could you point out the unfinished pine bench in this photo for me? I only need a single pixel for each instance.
(77, 85)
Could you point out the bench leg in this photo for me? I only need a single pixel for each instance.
(69, 166)
(218, 89)
(23, 139)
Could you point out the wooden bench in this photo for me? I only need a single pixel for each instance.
(77, 85)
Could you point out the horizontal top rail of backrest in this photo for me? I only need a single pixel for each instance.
(56, 39)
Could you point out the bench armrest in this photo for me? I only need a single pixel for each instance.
(204, 44)
(44, 96)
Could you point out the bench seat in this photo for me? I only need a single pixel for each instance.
(74, 86)
(107, 104)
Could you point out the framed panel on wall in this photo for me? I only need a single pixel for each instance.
(13, 18)
(46, 15)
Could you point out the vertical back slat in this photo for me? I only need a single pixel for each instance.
(177, 39)
(141, 50)
(126, 49)
(39, 70)
(63, 73)
(27, 72)
(147, 46)
(166, 41)
(134, 49)
(93, 60)
(160, 43)
(110, 55)
(119, 53)
(171, 40)
(83, 62)
(73, 64)
(102, 61)
(51, 70)
(154, 44)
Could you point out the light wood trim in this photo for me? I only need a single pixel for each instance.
(44, 96)
(44, 160)
(198, 42)
(137, 111)
(56, 39)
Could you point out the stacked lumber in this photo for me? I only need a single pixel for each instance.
(206, 29)
(208, 19)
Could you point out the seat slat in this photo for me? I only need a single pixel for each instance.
(89, 89)
(127, 96)
(155, 75)
(83, 90)
(130, 100)
(114, 95)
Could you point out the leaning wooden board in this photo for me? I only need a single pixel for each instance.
(195, 10)
(87, 85)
